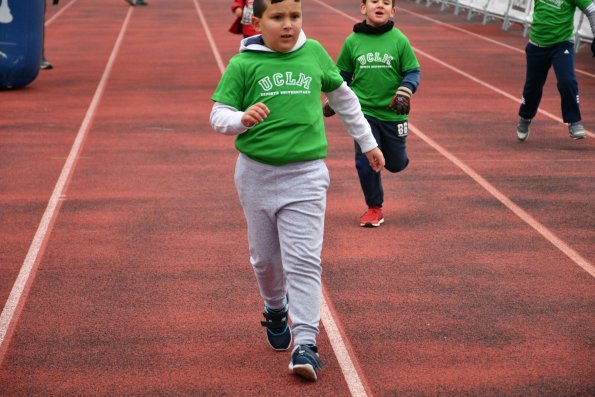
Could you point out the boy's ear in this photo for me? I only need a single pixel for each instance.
(256, 24)
(362, 8)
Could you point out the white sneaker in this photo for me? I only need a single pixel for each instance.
(522, 129)
(576, 131)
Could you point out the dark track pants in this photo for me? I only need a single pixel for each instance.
(391, 138)
(539, 62)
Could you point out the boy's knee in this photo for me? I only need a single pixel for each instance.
(396, 166)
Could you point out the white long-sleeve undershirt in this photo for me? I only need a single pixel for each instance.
(345, 103)
(228, 120)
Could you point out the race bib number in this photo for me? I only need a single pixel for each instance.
(247, 14)
(402, 130)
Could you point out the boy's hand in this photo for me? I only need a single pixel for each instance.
(376, 159)
(255, 114)
(401, 101)
(327, 110)
(238, 12)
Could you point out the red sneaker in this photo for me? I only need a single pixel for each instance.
(372, 217)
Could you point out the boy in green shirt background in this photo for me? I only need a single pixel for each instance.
(269, 98)
(378, 63)
(551, 44)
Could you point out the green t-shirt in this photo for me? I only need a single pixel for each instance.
(378, 64)
(289, 84)
(553, 20)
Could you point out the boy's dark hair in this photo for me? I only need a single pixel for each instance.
(364, 2)
(259, 6)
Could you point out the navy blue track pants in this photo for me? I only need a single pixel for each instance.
(391, 137)
(539, 62)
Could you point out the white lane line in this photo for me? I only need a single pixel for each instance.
(480, 82)
(518, 211)
(17, 296)
(491, 87)
(214, 48)
(344, 356)
(346, 362)
(541, 229)
(57, 14)
(459, 71)
(478, 36)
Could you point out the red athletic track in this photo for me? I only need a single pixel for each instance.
(143, 286)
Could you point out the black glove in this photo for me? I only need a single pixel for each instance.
(401, 101)
(593, 47)
(54, 2)
(327, 110)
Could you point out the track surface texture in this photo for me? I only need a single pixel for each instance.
(123, 253)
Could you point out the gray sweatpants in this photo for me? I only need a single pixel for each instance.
(284, 208)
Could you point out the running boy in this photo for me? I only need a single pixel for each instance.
(269, 97)
(551, 43)
(379, 65)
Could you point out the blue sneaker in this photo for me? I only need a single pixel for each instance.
(278, 331)
(305, 362)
